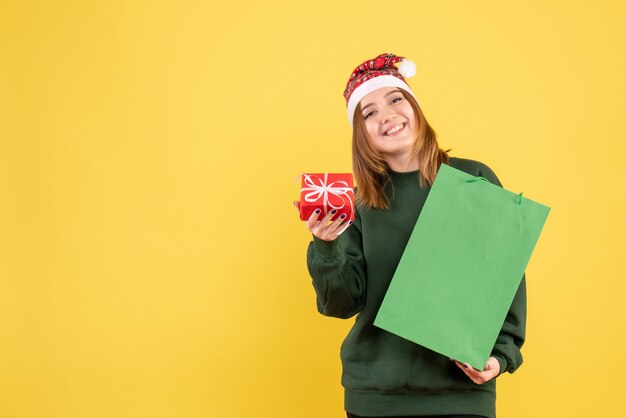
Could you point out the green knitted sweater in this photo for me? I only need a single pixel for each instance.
(384, 374)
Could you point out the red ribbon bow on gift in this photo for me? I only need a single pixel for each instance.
(318, 188)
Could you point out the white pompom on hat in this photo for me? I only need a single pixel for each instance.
(374, 74)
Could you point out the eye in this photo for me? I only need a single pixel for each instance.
(368, 115)
(396, 99)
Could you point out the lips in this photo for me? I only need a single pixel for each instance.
(395, 129)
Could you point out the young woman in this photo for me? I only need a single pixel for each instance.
(395, 161)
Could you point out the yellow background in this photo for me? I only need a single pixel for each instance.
(151, 262)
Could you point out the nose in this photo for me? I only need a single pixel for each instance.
(387, 114)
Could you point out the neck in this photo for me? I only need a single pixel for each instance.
(402, 163)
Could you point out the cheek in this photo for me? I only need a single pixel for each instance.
(414, 127)
(408, 111)
(372, 129)
(412, 120)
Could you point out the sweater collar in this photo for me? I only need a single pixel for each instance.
(409, 177)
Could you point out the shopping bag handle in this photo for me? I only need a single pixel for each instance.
(482, 178)
(476, 179)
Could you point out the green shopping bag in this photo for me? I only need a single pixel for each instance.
(462, 266)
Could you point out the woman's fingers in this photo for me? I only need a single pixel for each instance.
(467, 369)
(333, 228)
(345, 226)
(322, 224)
(336, 227)
(477, 376)
(325, 228)
(311, 222)
(329, 216)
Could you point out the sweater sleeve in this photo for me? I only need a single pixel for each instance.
(338, 272)
(513, 332)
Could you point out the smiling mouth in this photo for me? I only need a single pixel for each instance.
(394, 131)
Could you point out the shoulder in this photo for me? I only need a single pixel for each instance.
(475, 168)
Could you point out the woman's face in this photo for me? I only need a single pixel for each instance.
(390, 121)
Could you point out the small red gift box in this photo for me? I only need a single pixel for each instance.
(326, 192)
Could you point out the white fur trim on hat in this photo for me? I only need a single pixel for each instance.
(374, 84)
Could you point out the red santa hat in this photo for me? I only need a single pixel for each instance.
(374, 74)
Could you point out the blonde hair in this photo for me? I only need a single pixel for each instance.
(371, 171)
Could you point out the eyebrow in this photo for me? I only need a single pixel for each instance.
(388, 94)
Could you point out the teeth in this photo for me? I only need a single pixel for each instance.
(395, 129)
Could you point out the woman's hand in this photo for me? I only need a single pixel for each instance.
(325, 229)
(492, 369)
